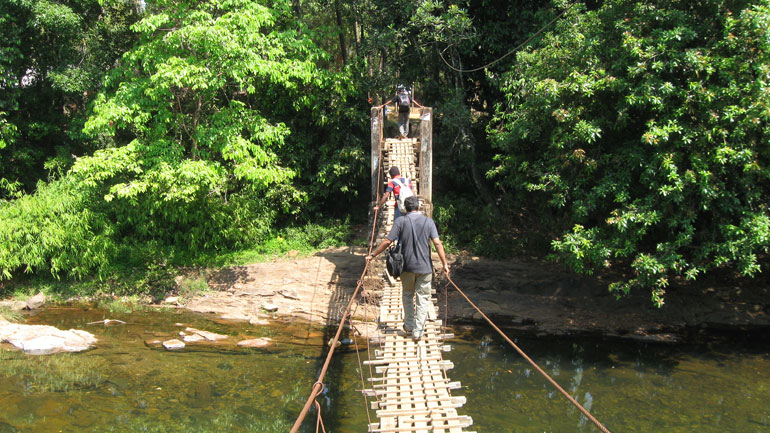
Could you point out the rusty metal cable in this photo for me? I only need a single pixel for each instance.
(360, 364)
(580, 407)
(318, 385)
(319, 422)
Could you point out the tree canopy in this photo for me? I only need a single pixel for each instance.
(630, 135)
(645, 125)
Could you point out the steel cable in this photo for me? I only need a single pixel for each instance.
(533, 363)
(318, 385)
(319, 420)
(441, 53)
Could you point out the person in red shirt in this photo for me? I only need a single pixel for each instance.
(394, 186)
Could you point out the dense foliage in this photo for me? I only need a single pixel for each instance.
(632, 135)
(194, 106)
(645, 124)
(53, 57)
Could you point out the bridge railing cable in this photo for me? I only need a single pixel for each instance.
(580, 407)
(318, 386)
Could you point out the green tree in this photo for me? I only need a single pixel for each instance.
(53, 55)
(193, 126)
(645, 126)
(55, 230)
(195, 112)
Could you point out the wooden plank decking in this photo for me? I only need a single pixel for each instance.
(413, 392)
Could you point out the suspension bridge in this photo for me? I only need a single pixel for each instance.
(409, 388)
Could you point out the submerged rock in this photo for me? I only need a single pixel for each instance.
(210, 336)
(173, 344)
(154, 342)
(107, 322)
(200, 395)
(255, 342)
(44, 339)
(7, 428)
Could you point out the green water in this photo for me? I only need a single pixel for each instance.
(722, 386)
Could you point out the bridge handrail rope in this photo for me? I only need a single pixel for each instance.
(533, 363)
(467, 71)
(318, 386)
(319, 422)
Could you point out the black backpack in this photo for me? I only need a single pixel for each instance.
(404, 102)
(394, 260)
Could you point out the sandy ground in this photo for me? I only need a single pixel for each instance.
(519, 294)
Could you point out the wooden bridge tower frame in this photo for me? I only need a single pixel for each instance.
(424, 115)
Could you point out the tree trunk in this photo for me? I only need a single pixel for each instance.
(478, 183)
(341, 30)
(297, 6)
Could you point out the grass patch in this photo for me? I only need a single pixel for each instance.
(192, 286)
(306, 240)
(10, 315)
(149, 269)
(53, 373)
(122, 305)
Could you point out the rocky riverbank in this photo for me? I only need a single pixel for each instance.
(528, 295)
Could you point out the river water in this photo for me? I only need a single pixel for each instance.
(722, 385)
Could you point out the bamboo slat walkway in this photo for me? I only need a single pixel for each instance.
(412, 392)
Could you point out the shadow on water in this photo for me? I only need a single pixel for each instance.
(341, 284)
(712, 384)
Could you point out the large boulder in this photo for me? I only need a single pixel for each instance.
(36, 301)
(13, 305)
(44, 339)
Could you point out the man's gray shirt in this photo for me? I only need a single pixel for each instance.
(414, 230)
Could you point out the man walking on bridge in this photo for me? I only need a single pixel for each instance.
(413, 232)
(403, 101)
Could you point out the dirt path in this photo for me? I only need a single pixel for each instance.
(518, 294)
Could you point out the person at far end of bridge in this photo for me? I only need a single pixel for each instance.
(396, 185)
(403, 101)
(414, 232)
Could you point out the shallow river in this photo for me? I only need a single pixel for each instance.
(126, 386)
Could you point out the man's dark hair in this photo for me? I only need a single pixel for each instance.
(411, 203)
(394, 171)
